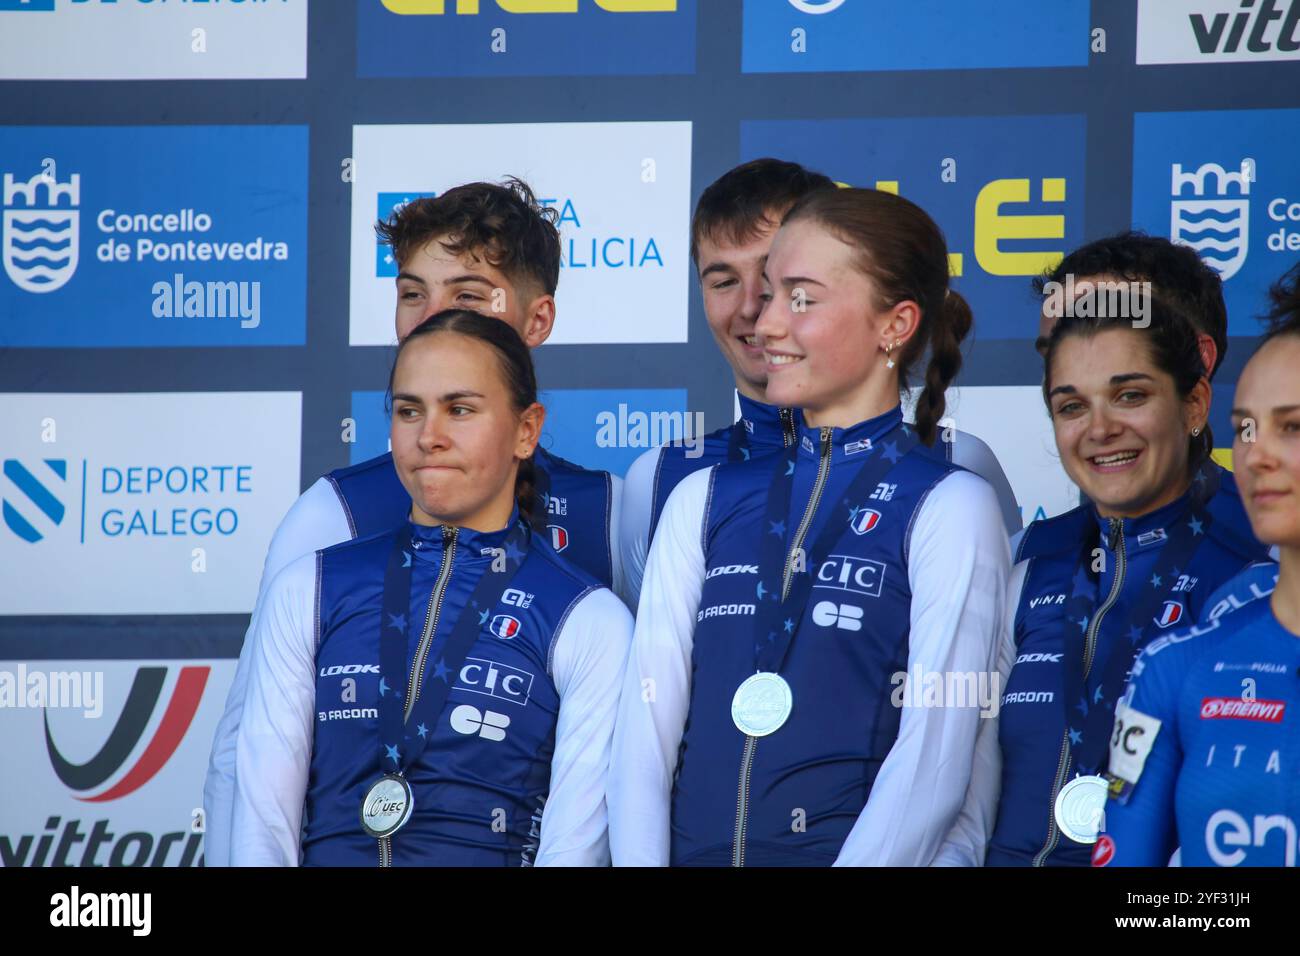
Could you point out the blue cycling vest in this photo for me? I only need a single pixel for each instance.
(761, 430)
(791, 798)
(480, 785)
(575, 506)
(1228, 754)
(1036, 723)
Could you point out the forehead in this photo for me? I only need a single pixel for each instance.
(443, 361)
(434, 260)
(808, 246)
(1270, 378)
(720, 247)
(1101, 355)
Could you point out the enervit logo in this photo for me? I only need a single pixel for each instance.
(37, 494)
(864, 520)
(480, 676)
(1217, 31)
(487, 724)
(41, 238)
(1216, 224)
(1227, 828)
(847, 617)
(843, 572)
(141, 702)
(504, 626)
(559, 537)
(1171, 615)
(1238, 708)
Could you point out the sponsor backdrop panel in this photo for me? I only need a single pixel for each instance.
(148, 40)
(194, 303)
(112, 755)
(621, 191)
(154, 235)
(142, 503)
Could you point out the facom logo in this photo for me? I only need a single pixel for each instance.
(36, 494)
(1215, 224)
(419, 8)
(141, 702)
(41, 239)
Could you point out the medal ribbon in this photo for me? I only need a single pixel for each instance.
(404, 742)
(778, 620)
(1089, 747)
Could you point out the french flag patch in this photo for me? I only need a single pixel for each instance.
(865, 520)
(504, 626)
(1171, 615)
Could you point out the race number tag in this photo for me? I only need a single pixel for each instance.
(1130, 744)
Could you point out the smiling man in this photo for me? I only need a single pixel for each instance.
(484, 247)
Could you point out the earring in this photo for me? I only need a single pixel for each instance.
(1196, 432)
(889, 362)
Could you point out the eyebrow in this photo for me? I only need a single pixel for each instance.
(1114, 380)
(443, 399)
(800, 280)
(713, 267)
(1277, 410)
(466, 277)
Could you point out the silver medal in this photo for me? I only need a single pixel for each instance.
(762, 704)
(387, 806)
(1080, 806)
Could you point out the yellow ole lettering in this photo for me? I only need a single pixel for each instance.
(638, 6)
(538, 6)
(991, 226)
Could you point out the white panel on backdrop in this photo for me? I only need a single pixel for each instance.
(142, 503)
(145, 40)
(623, 192)
(86, 795)
(1012, 420)
(1217, 31)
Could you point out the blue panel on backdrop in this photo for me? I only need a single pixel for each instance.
(153, 235)
(596, 428)
(1006, 190)
(845, 35)
(480, 38)
(1228, 185)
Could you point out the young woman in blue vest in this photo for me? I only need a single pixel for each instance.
(1092, 587)
(788, 698)
(1204, 751)
(443, 693)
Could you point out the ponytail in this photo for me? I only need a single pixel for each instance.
(947, 330)
(526, 494)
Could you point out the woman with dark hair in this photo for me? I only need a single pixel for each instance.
(790, 697)
(1203, 750)
(1093, 587)
(442, 693)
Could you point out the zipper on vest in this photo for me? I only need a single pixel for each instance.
(416, 681)
(1115, 538)
(787, 427)
(796, 544)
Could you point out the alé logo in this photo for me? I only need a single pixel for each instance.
(141, 703)
(39, 486)
(41, 229)
(464, 7)
(1210, 212)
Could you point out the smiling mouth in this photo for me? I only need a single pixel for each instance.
(777, 359)
(1116, 461)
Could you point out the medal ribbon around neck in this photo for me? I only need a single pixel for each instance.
(404, 741)
(1089, 705)
(777, 620)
